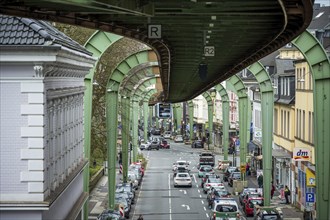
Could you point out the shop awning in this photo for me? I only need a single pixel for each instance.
(281, 154)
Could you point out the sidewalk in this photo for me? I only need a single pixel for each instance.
(289, 212)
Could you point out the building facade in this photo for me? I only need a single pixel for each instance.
(42, 117)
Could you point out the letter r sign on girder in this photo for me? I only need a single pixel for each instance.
(154, 31)
(209, 51)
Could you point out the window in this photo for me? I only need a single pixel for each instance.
(288, 87)
(303, 127)
(303, 78)
(297, 123)
(281, 80)
(284, 131)
(288, 124)
(282, 122)
(313, 127)
(275, 121)
(310, 127)
(299, 118)
(257, 118)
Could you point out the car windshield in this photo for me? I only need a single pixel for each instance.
(226, 208)
(208, 169)
(182, 175)
(270, 217)
(236, 175)
(256, 201)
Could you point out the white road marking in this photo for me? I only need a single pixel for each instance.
(169, 196)
(199, 191)
(187, 206)
(204, 208)
(197, 185)
(184, 191)
(200, 196)
(202, 201)
(207, 215)
(194, 178)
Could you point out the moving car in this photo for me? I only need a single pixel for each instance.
(180, 163)
(204, 170)
(144, 145)
(245, 191)
(227, 173)
(164, 144)
(180, 170)
(206, 158)
(154, 145)
(224, 208)
(178, 139)
(234, 176)
(217, 192)
(211, 182)
(182, 179)
(197, 144)
(248, 206)
(167, 135)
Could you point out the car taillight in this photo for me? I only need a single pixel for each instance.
(237, 215)
(214, 216)
(207, 185)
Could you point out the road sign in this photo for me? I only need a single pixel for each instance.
(209, 51)
(243, 168)
(154, 31)
(237, 142)
(310, 197)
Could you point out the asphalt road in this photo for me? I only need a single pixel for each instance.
(157, 197)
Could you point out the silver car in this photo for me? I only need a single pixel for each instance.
(182, 179)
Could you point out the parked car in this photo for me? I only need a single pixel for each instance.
(178, 139)
(182, 179)
(267, 212)
(122, 201)
(164, 144)
(234, 176)
(133, 178)
(197, 144)
(227, 173)
(205, 169)
(154, 145)
(110, 215)
(225, 208)
(167, 134)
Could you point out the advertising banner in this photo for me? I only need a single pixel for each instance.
(310, 178)
(301, 154)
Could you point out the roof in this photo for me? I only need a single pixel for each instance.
(320, 18)
(282, 65)
(17, 31)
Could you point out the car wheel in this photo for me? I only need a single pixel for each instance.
(157, 148)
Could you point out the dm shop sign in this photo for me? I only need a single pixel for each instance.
(301, 154)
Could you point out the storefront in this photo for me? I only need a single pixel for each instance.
(281, 167)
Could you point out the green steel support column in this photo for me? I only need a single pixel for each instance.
(125, 134)
(320, 67)
(87, 134)
(243, 117)
(135, 127)
(175, 117)
(150, 116)
(191, 119)
(210, 118)
(267, 107)
(112, 125)
(179, 115)
(249, 119)
(145, 114)
(225, 128)
(225, 118)
(238, 86)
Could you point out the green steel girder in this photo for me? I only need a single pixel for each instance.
(145, 99)
(191, 118)
(98, 43)
(210, 107)
(320, 67)
(124, 68)
(225, 118)
(267, 108)
(135, 75)
(241, 92)
(177, 113)
(139, 89)
(270, 24)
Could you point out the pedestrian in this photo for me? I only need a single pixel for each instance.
(247, 168)
(287, 193)
(260, 180)
(272, 191)
(140, 217)
(120, 157)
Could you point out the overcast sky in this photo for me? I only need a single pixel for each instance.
(323, 2)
